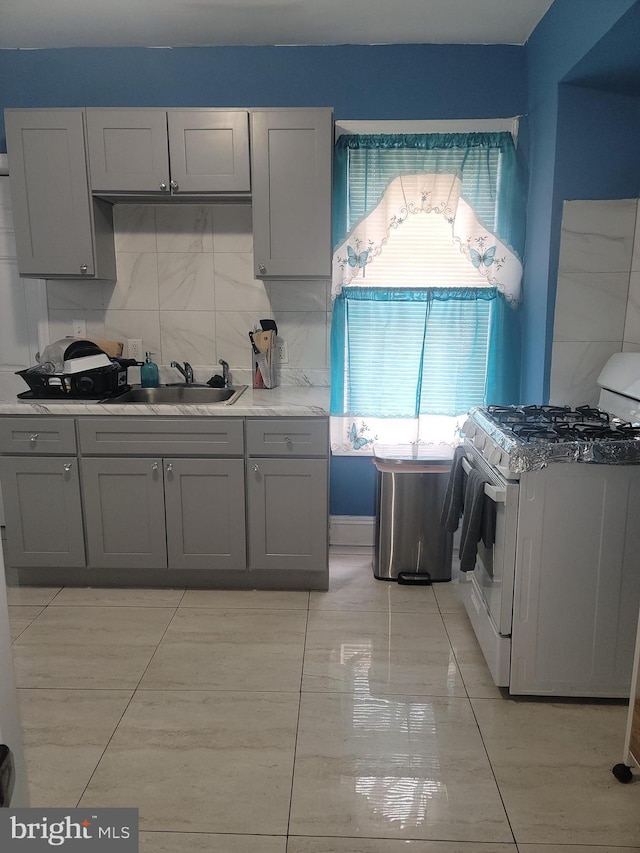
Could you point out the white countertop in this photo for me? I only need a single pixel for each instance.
(286, 400)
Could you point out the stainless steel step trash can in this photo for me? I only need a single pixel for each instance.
(409, 539)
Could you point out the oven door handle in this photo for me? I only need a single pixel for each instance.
(498, 496)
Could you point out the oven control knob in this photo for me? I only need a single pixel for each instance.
(495, 456)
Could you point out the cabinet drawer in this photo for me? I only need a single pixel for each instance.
(288, 437)
(161, 436)
(37, 436)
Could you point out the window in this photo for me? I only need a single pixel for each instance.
(423, 281)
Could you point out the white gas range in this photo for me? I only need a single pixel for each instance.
(554, 599)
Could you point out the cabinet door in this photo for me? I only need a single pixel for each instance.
(52, 210)
(124, 513)
(128, 150)
(42, 508)
(291, 178)
(288, 513)
(204, 501)
(209, 151)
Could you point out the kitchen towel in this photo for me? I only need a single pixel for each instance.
(454, 498)
(478, 520)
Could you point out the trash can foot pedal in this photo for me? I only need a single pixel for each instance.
(421, 578)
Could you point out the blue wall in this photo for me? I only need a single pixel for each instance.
(359, 82)
(568, 37)
(353, 485)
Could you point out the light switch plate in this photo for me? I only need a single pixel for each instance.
(283, 352)
(134, 349)
(79, 328)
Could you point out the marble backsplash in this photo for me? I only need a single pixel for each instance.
(186, 288)
(598, 295)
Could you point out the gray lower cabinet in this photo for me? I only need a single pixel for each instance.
(287, 513)
(150, 513)
(43, 512)
(168, 152)
(124, 513)
(217, 500)
(291, 160)
(60, 229)
(205, 510)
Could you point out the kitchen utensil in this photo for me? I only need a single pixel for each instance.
(263, 341)
(114, 349)
(263, 366)
(269, 325)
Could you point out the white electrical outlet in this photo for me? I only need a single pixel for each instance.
(79, 328)
(283, 352)
(134, 349)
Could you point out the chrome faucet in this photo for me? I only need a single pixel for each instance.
(186, 371)
(225, 372)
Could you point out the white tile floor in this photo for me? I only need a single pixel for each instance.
(359, 720)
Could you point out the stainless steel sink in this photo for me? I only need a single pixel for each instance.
(180, 395)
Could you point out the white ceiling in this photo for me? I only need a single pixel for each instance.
(174, 23)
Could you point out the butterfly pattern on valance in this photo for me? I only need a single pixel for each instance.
(496, 264)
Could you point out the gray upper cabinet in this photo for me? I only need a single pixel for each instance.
(209, 150)
(291, 152)
(168, 152)
(60, 230)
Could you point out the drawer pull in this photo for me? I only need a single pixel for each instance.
(169, 467)
(67, 466)
(154, 466)
(256, 468)
(287, 439)
(34, 437)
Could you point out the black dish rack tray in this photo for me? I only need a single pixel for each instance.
(45, 384)
(65, 385)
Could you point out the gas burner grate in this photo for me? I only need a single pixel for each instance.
(627, 431)
(533, 431)
(589, 413)
(511, 416)
(580, 431)
(544, 414)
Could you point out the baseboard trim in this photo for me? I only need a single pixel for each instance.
(352, 530)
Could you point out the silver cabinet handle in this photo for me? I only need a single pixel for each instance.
(256, 468)
(174, 185)
(262, 268)
(83, 268)
(67, 466)
(163, 186)
(169, 467)
(154, 466)
(288, 440)
(34, 437)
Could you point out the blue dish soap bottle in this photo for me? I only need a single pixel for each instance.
(149, 374)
